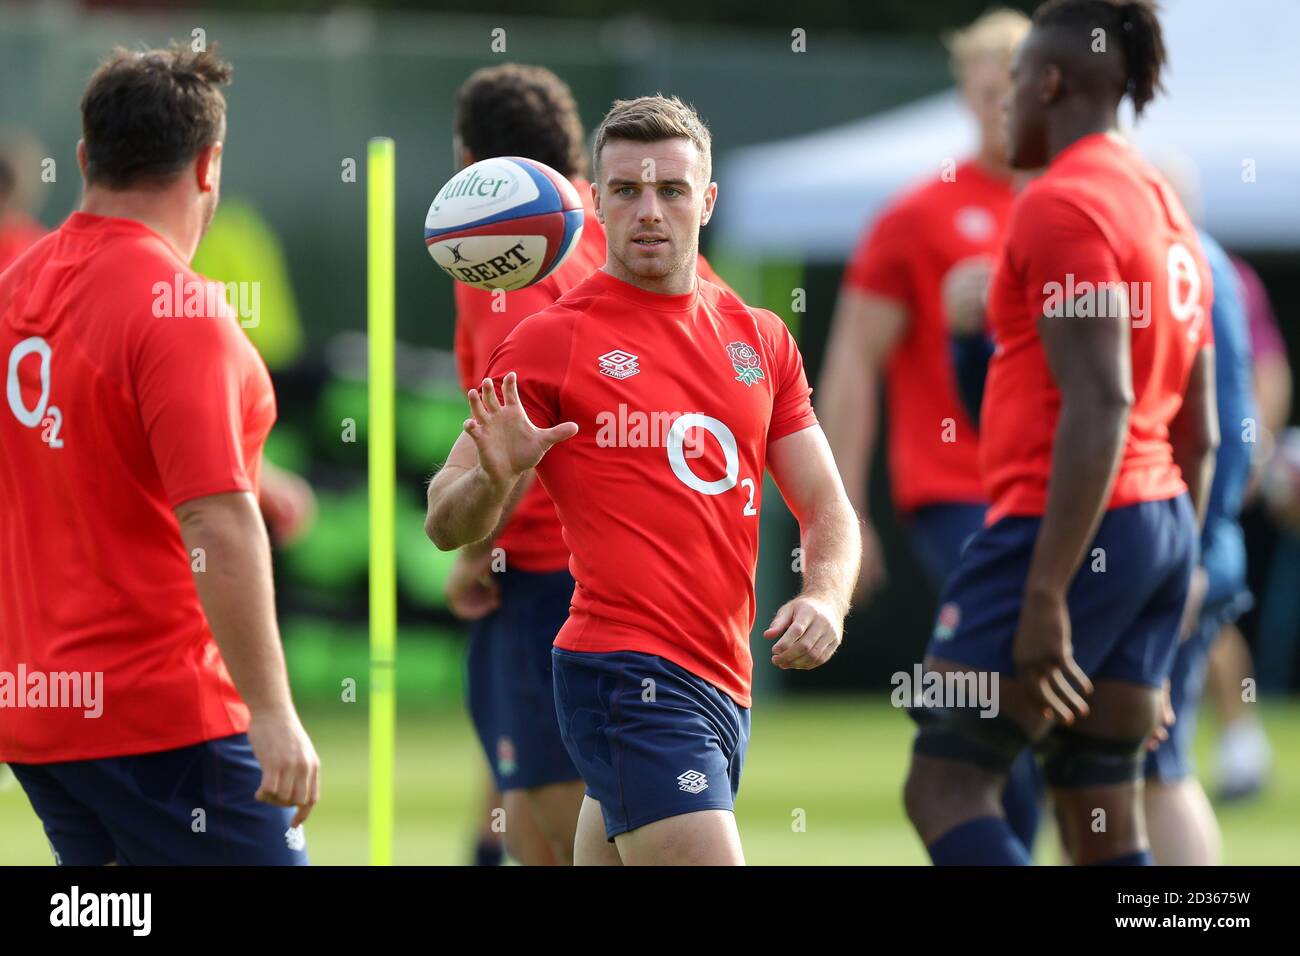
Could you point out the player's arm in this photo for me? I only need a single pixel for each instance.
(191, 382)
(483, 319)
(864, 332)
(470, 591)
(467, 497)
(236, 590)
(1090, 363)
(810, 627)
(479, 549)
(464, 502)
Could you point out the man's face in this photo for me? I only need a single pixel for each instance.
(1026, 109)
(653, 198)
(985, 83)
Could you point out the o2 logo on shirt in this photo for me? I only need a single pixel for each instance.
(1184, 288)
(731, 456)
(975, 223)
(44, 415)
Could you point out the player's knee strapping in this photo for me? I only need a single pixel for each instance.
(949, 733)
(1071, 759)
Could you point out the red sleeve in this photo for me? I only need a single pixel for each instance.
(484, 319)
(792, 408)
(1058, 243)
(880, 262)
(537, 351)
(189, 377)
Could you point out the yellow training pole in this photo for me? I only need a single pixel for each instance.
(381, 278)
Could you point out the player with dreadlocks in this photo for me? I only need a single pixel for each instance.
(1098, 432)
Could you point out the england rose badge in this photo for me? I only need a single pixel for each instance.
(746, 361)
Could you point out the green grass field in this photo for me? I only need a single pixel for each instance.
(841, 761)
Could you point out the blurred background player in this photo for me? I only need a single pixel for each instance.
(515, 613)
(1099, 428)
(138, 556)
(18, 229)
(1180, 819)
(912, 305)
(1273, 551)
(652, 669)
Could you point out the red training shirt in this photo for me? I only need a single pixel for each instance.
(1099, 214)
(676, 398)
(116, 414)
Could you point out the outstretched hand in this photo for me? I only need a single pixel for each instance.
(508, 443)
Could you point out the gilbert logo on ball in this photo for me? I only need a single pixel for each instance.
(503, 223)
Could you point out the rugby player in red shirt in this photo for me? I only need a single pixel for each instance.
(1097, 440)
(514, 586)
(652, 670)
(137, 566)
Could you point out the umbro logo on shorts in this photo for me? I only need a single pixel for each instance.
(692, 781)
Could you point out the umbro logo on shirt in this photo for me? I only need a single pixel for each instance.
(692, 781)
(618, 364)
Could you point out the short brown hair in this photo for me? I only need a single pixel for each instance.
(146, 114)
(518, 110)
(996, 34)
(652, 119)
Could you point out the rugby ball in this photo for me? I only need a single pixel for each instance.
(503, 223)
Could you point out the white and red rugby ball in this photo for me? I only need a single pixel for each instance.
(503, 223)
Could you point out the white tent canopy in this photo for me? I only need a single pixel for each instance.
(1231, 107)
